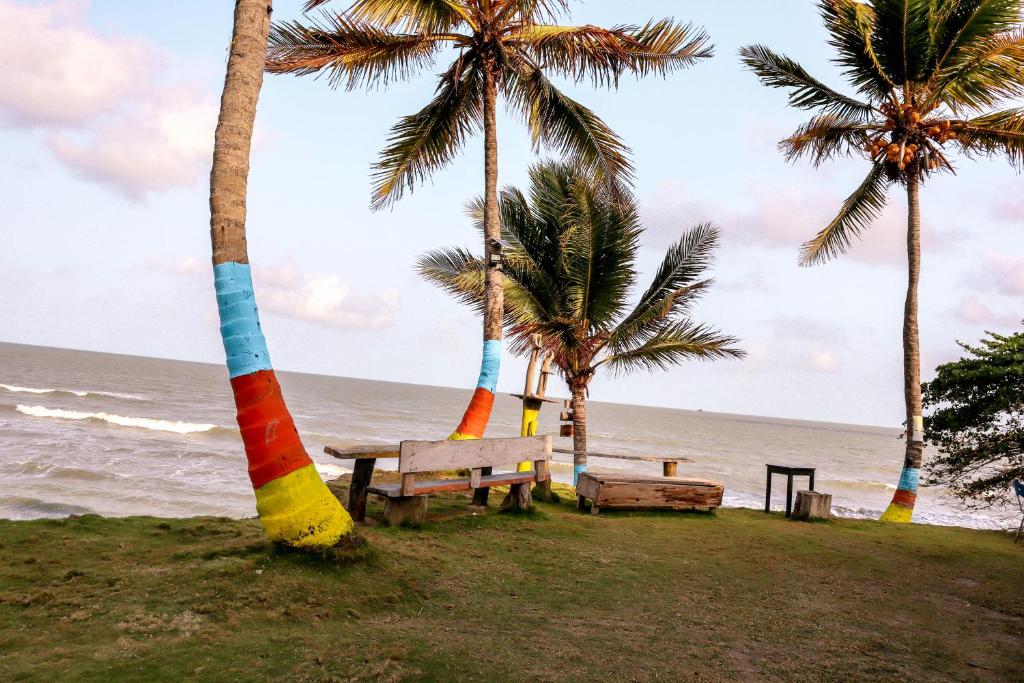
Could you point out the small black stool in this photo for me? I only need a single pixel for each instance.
(790, 472)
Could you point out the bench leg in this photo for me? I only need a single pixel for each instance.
(581, 503)
(768, 493)
(404, 510)
(789, 495)
(521, 497)
(362, 473)
(480, 495)
(594, 509)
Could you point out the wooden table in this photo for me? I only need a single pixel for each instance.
(366, 458)
(669, 465)
(790, 472)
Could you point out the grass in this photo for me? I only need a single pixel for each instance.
(556, 595)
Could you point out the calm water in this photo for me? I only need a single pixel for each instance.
(119, 435)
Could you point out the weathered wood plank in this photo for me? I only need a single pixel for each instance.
(362, 473)
(649, 492)
(474, 477)
(429, 456)
(408, 487)
(360, 452)
(398, 511)
(623, 456)
(427, 486)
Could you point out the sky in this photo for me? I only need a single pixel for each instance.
(107, 110)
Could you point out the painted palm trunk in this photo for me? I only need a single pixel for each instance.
(474, 421)
(294, 505)
(901, 509)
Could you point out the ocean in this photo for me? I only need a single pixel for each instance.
(84, 432)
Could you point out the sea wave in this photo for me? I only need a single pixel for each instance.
(74, 392)
(120, 420)
(24, 507)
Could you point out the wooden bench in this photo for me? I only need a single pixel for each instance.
(637, 491)
(407, 501)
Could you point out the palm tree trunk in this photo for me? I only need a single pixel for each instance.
(901, 509)
(579, 429)
(295, 507)
(474, 421)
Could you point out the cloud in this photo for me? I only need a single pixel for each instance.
(785, 218)
(323, 299)
(974, 311)
(102, 101)
(150, 149)
(58, 71)
(1002, 273)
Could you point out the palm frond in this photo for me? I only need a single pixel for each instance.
(826, 137)
(903, 39)
(603, 55)
(530, 12)
(425, 141)
(999, 133)
(562, 124)
(674, 287)
(857, 213)
(349, 51)
(961, 28)
(989, 72)
(850, 24)
(458, 272)
(413, 16)
(805, 91)
(676, 343)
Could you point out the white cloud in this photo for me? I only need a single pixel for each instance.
(322, 298)
(974, 311)
(56, 70)
(1003, 273)
(785, 218)
(102, 100)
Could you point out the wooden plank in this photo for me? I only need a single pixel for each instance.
(429, 456)
(628, 478)
(474, 477)
(408, 484)
(365, 451)
(362, 473)
(427, 486)
(622, 456)
(650, 492)
(542, 470)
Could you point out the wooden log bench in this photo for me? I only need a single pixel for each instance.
(637, 491)
(407, 501)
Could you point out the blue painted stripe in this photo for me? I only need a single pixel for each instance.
(909, 479)
(490, 365)
(576, 471)
(244, 345)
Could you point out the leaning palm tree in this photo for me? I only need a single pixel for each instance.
(929, 74)
(504, 47)
(570, 268)
(294, 505)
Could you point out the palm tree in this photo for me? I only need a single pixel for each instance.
(294, 506)
(570, 268)
(928, 75)
(506, 47)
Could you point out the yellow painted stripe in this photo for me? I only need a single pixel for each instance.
(529, 428)
(299, 510)
(898, 514)
(457, 436)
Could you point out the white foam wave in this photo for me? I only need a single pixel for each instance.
(73, 392)
(120, 420)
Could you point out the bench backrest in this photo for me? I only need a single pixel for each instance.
(429, 456)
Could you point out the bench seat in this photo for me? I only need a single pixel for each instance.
(438, 485)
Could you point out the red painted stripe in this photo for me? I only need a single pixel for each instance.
(271, 441)
(904, 498)
(474, 422)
